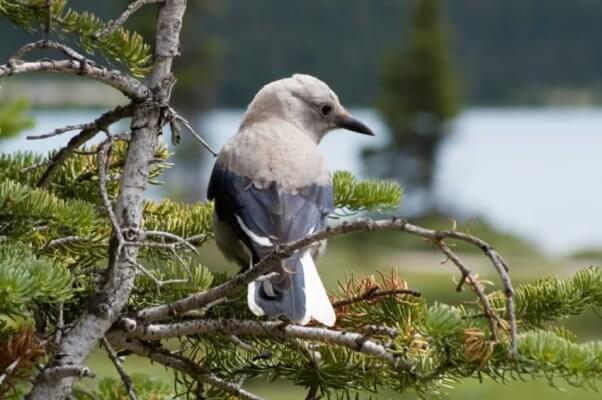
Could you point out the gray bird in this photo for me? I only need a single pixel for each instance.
(270, 185)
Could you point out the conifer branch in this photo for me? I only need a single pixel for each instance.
(492, 318)
(354, 341)
(286, 250)
(174, 118)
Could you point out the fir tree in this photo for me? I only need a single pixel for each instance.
(419, 94)
(85, 260)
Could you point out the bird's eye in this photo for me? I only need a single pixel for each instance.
(326, 109)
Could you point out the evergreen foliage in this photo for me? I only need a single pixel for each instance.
(54, 243)
(120, 45)
(27, 281)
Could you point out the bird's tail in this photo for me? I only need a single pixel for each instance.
(298, 293)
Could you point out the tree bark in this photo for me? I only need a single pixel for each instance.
(105, 306)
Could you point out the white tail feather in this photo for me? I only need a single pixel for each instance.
(317, 302)
(253, 306)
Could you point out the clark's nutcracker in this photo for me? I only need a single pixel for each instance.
(271, 185)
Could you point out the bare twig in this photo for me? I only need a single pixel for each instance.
(129, 86)
(61, 241)
(354, 341)
(242, 344)
(9, 370)
(60, 324)
(125, 378)
(101, 160)
(174, 116)
(174, 237)
(100, 124)
(49, 44)
(131, 9)
(159, 283)
(286, 250)
(183, 364)
(373, 294)
(203, 311)
(59, 131)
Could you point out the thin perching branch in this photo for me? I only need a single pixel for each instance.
(284, 251)
(125, 378)
(492, 317)
(270, 329)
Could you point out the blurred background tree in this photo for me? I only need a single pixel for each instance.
(419, 95)
(14, 117)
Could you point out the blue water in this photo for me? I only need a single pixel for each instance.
(533, 172)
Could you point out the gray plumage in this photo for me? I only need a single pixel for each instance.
(270, 185)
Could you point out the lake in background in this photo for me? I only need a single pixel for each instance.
(533, 172)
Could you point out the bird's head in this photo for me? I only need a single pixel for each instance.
(305, 101)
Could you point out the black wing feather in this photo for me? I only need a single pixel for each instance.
(269, 212)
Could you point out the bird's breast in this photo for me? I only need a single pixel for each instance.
(279, 153)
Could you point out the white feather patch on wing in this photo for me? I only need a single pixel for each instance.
(253, 306)
(260, 240)
(317, 302)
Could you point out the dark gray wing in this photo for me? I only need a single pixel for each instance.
(259, 215)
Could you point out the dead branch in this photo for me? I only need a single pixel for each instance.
(492, 317)
(183, 364)
(59, 131)
(99, 124)
(175, 118)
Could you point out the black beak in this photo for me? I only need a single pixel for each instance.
(346, 121)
